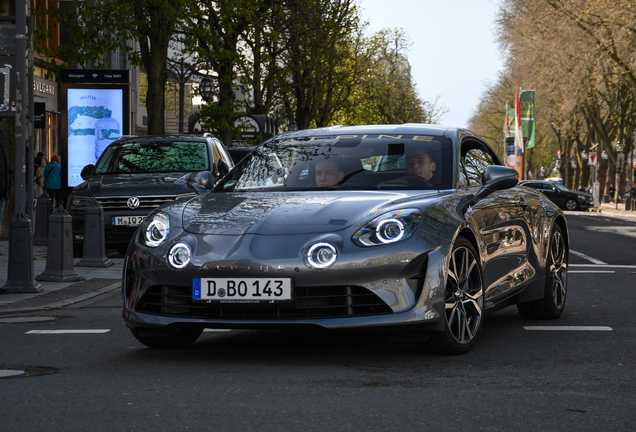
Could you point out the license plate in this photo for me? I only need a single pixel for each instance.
(242, 290)
(127, 220)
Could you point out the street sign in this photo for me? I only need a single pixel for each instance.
(593, 159)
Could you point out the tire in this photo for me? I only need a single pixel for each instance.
(464, 303)
(179, 340)
(571, 204)
(552, 304)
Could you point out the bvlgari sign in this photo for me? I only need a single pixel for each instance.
(43, 87)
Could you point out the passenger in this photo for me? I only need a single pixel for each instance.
(328, 173)
(419, 163)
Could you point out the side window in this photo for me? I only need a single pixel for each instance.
(463, 179)
(475, 162)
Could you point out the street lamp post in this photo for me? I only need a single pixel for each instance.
(181, 71)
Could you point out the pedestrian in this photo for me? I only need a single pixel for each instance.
(53, 175)
(39, 176)
(36, 161)
(611, 192)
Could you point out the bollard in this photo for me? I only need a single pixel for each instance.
(94, 254)
(59, 256)
(20, 274)
(43, 211)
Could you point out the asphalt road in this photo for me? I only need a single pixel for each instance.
(519, 376)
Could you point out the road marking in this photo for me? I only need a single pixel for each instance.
(207, 330)
(591, 271)
(604, 266)
(589, 258)
(629, 231)
(8, 373)
(93, 331)
(569, 328)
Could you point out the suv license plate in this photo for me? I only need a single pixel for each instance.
(242, 290)
(127, 220)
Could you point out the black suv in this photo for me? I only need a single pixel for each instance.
(562, 196)
(137, 174)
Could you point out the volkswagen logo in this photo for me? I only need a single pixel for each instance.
(133, 202)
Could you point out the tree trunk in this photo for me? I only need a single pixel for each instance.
(155, 100)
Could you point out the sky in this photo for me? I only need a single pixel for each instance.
(453, 52)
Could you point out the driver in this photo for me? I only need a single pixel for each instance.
(419, 163)
(328, 174)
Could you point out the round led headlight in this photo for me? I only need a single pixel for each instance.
(157, 230)
(179, 255)
(390, 227)
(321, 256)
(389, 230)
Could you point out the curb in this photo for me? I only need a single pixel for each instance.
(64, 303)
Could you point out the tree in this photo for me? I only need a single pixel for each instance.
(98, 28)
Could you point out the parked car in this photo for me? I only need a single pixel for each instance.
(561, 195)
(135, 175)
(306, 232)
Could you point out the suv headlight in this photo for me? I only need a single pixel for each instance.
(156, 229)
(388, 228)
(78, 203)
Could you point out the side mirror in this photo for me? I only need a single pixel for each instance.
(223, 168)
(497, 177)
(494, 178)
(201, 182)
(87, 171)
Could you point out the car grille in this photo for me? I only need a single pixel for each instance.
(310, 302)
(145, 203)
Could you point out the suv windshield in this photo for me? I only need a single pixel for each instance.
(369, 162)
(146, 157)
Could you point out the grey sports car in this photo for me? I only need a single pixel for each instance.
(413, 229)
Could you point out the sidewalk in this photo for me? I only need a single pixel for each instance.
(609, 209)
(55, 295)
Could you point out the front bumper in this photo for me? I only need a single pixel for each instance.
(369, 287)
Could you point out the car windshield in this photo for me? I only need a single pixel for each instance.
(367, 162)
(144, 157)
(561, 187)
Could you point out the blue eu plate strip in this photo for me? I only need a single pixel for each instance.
(196, 288)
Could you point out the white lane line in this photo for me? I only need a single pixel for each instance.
(93, 331)
(569, 328)
(207, 330)
(8, 372)
(589, 258)
(591, 271)
(604, 266)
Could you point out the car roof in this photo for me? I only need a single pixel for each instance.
(403, 129)
(162, 138)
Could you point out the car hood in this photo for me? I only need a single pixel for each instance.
(288, 212)
(134, 184)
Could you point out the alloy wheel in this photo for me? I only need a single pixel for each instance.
(558, 269)
(464, 296)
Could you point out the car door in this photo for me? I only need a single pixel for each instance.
(553, 193)
(502, 226)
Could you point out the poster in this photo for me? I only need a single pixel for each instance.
(95, 119)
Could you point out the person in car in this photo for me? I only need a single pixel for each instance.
(328, 173)
(420, 164)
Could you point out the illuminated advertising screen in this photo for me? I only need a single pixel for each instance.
(95, 119)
